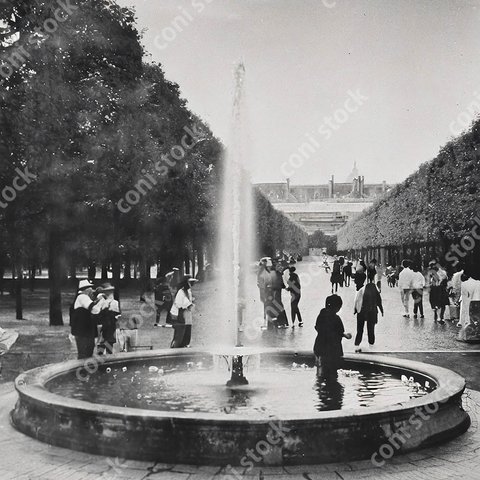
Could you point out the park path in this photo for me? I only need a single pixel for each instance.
(394, 333)
(39, 343)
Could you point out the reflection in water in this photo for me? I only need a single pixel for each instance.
(330, 394)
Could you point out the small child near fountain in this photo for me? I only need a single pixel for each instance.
(328, 344)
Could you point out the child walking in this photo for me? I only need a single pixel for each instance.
(328, 344)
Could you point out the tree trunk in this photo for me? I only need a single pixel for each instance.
(165, 262)
(116, 269)
(186, 261)
(144, 277)
(127, 272)
(194, 270)
(92, 270)
(200, 258)
(2, 275)
(55, 278)
(18, 297)
(73, 269)
(33, 269)
(135, 270)
(104, 270)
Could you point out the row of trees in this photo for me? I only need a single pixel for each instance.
(91, 125)
(276, 232)
(435, 206)
(320, 239)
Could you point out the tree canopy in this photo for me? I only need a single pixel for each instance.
(120, 169)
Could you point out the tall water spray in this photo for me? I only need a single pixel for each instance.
(237, 239)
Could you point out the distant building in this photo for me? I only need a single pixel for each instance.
(324, 207)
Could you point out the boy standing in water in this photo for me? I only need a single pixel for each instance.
(328, 344)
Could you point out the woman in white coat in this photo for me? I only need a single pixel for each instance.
(181, 313)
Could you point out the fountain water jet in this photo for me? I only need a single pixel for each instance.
(237, 243)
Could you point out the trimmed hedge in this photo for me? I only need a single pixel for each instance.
(276, 231)
(438, 202)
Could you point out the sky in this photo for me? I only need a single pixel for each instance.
(384, 83)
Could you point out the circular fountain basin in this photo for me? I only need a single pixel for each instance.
(173, 406)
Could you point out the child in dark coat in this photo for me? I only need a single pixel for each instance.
(328, 344)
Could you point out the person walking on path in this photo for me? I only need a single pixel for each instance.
(294, 288)
(275, 286)
(325, 264)
(328, 344)
(470, 296)
(368, 303)
(347, 273)
(456, 292)
(336, 276)
(82, 321)
(263, 277)
(107, 318)
(181, 311)
(359, 277)
(163, 300)
(405, 285)
(418, 284)
(372, 270)
(438, 290)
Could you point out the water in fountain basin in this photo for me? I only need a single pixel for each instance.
(277, 388)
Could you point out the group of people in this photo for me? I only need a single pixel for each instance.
(412, 282)
(343, 271)
(367, 307)
(271, 279)
(97, 325)
(95, 320)
(330, 330)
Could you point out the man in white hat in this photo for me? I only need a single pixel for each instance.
(83, 325)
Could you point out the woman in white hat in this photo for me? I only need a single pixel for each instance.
(83, 324)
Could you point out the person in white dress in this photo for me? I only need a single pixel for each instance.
(181, 312)
(470, 292)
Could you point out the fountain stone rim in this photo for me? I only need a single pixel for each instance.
(31, 384)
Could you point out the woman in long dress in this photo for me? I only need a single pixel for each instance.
(438, 291)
